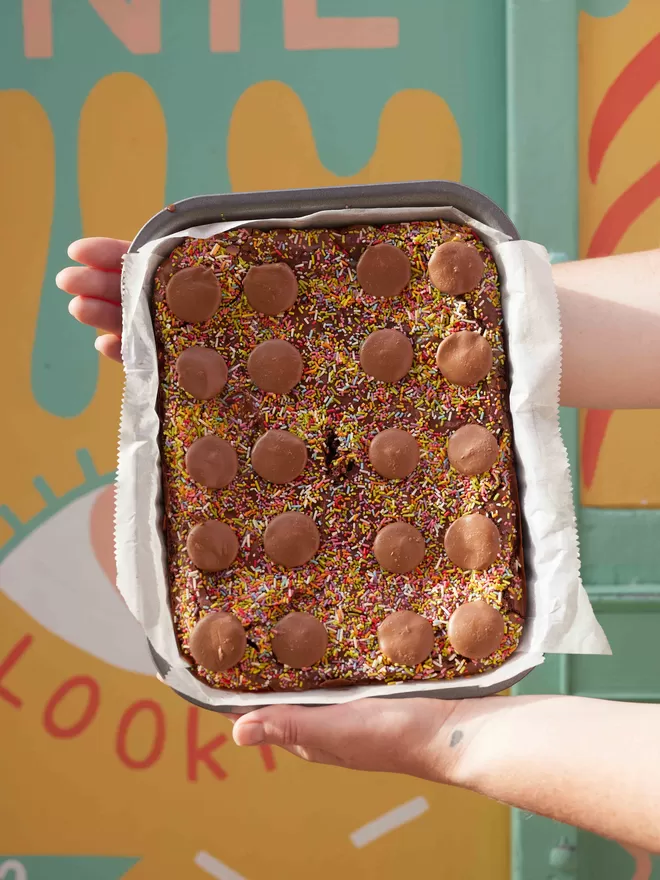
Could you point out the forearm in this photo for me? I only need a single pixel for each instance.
(610, 314)
(590, 763)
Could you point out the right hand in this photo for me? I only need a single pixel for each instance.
(96, 291)
(418, 737)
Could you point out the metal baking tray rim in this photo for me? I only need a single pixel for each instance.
(204, 209)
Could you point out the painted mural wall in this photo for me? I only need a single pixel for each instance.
(620, 212)
(110, 110)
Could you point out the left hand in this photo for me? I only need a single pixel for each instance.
(96, 291)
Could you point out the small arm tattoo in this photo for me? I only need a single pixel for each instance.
(456, 737)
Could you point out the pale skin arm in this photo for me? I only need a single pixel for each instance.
(610, 313)
(590, 763)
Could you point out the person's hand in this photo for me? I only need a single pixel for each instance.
(95, 287)
(413, 736)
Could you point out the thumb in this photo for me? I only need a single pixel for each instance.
(288, 726)
(368, 734)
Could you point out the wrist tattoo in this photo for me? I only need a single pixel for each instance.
(456, 737)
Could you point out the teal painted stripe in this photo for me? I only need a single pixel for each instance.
(44, 490)
(542, 185)
(542, 122)
(87, 465)
(64, 867)
(542, 135)
(10, 518)
(65, 364)
(603, 8)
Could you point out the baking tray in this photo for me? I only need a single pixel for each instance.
(201, 210)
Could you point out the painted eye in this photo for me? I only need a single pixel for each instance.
(62, 574)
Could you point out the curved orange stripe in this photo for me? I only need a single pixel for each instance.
(625, 94)
(624, 211)
(618, 219)
(595, 428)
(643, 864)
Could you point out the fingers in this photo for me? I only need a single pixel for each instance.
(99, 253)
(109, 346)
(97, 289)
(97, 313)
(82, 281)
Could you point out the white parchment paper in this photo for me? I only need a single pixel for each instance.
(560, 617)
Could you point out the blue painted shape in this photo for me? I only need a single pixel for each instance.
(603, 8)
(64, 867)
(65, 364)
(542, 108)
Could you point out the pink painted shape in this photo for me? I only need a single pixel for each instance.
(37, 28)
(643, 864)
(135, 22)
(303, 29)
(101, 532)
(225, 25)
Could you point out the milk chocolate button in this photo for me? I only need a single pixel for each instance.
(383, 271)
(399, 547)
(202, 372)
(456, 268)
(464, 358)
(291, 539)
(271, 289)
(279, 456)
(475, 630)
(299, 640)
(472, 450)
(211, 462)
(386, 355)
(218, 641)
(472, 542)
(212, 545)
(406, 638)
(276, 366)
(193, 294)
(394, 454)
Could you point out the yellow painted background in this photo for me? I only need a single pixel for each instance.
(74, 796)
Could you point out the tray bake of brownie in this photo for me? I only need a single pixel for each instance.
(339, 489)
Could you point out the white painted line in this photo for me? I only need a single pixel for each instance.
(389, 821)
(19, 871)
(215, 868)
